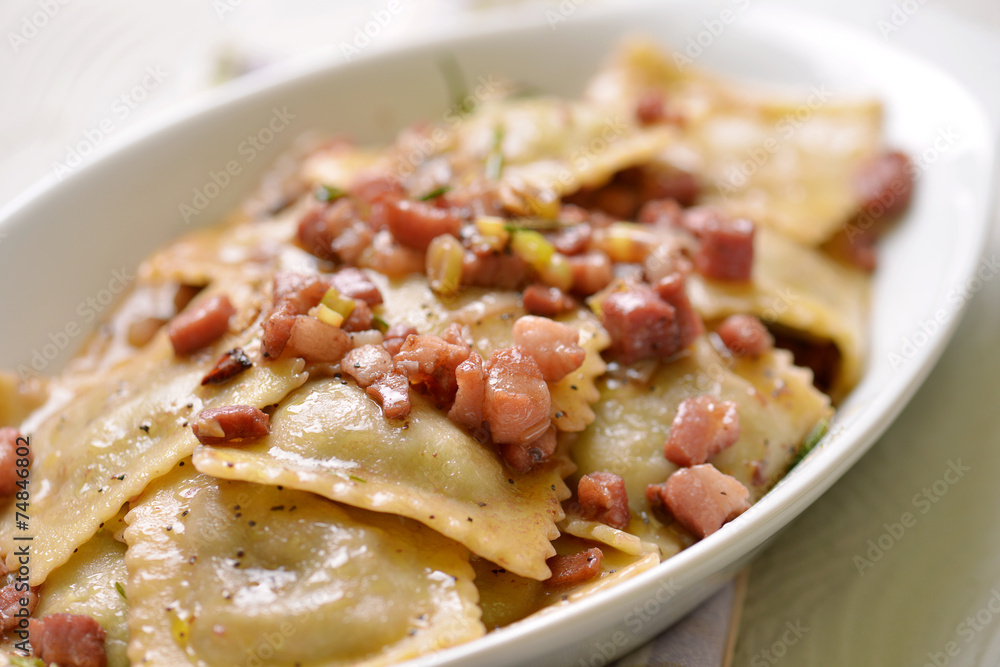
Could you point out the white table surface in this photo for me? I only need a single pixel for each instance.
(822, 594)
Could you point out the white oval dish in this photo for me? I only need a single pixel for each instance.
(68, 246)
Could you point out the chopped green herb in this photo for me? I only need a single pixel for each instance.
(494, 159)
(810, 441)
(358, 479)
(328, 193)
(382, 325)
(121, 590)
(435, 193)
(455, 81)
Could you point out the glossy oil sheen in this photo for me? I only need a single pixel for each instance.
(64, 244)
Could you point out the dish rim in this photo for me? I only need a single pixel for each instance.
(790, 497)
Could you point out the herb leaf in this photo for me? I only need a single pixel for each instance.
(811, 440)
(329, 193)
(121, 590)
(435, 193)
(455, 81)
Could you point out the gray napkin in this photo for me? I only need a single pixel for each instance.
(703, 638)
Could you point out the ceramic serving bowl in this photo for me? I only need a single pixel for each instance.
(69, 246)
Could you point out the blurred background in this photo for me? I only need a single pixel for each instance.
(79, 76)
(75, 73)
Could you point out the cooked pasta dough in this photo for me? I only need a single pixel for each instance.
(224, 572)
(395, 404)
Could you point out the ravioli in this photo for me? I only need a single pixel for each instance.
(19, 398)
(345, 538)
(487, 317)
(228, 573)
(551, 147)
(800, 289)
(777, 405)
(332, 439)
(786, 163)
(548, 147)
(88, 584)
(506, 598)
(119, 431)
(595, 531)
